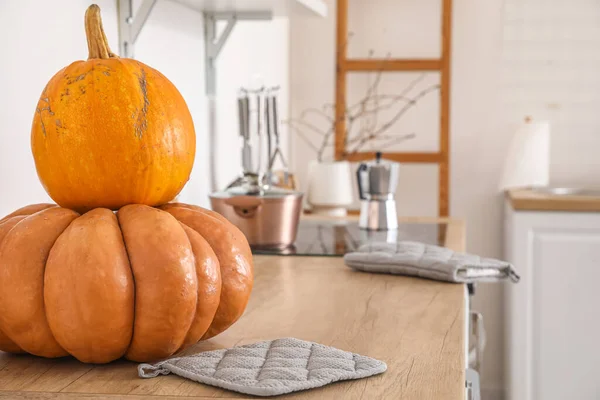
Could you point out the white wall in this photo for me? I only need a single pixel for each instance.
(479, 140)
(551, 61)
(43, 37)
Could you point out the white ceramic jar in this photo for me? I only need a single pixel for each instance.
(329, 190)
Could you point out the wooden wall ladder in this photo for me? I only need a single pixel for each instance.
(442, 65)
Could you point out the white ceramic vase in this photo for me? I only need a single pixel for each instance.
(329, 187)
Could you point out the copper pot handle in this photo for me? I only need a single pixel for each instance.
(244, 206)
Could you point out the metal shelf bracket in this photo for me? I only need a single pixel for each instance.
(213, 46)
(213, 42)
(131, 24)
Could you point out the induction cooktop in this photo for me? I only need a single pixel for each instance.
(336, 238)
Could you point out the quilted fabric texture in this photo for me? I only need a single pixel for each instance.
(269, 368)
(428, 261)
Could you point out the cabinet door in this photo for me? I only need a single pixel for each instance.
(560, 299)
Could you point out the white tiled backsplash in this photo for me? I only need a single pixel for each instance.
(551, 57)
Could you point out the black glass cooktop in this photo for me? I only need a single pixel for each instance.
(333, 238)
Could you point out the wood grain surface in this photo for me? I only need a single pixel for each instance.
(530, 200)
(414, 325)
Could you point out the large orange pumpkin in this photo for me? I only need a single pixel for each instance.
(111, 131)
(141, 283)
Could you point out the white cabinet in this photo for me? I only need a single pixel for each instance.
(553, 314)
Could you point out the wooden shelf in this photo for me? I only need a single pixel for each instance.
(275, 7)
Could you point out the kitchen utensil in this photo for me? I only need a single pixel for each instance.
(249, 177)
(244, 124)
(269, 219)
(258, 98)
(377, 181)
(256, 202)
(277, 151)
(267, 179)
(249, 180)
(281, 178)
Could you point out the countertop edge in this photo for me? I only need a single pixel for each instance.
(529, 200)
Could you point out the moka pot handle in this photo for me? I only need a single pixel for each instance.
(361, 167)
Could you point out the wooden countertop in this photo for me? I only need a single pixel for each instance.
(414, 325)
(531, 200)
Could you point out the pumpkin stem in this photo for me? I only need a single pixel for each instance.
(96, 39)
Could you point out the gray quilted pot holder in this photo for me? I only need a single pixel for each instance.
(269, 368)
(428, 261)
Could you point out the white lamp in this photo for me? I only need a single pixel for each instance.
(528, 160)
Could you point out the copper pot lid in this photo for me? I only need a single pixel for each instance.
(248, 185)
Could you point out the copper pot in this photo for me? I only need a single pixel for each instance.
(269, 219)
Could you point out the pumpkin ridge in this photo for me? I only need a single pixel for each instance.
(236, 272)
(87, 280)
(209, 287)
(197, 299)
(6, 344)
(49, 349)
(44, 277)
(133, 280)
(24, 211)
(161, 258)
(78, 308)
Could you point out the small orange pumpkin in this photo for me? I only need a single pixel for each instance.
(111, 131)
(142, 283)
